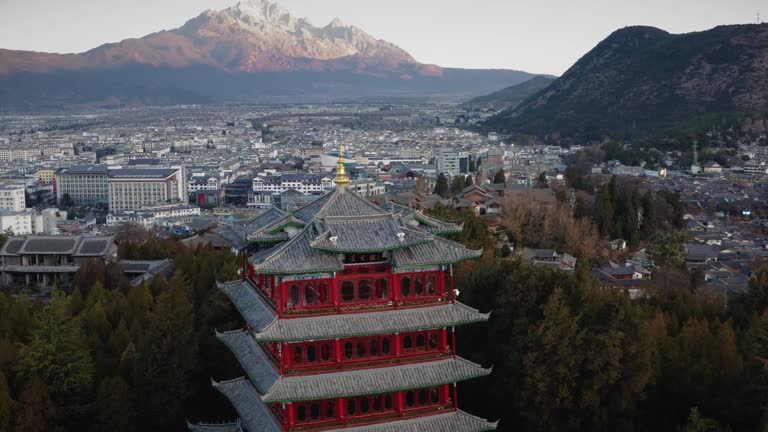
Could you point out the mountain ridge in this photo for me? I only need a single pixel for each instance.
(511, 96)
(256, 44)
(643, 78)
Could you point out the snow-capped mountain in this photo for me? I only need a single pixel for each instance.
(246, 44)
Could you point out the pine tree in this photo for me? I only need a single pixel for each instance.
(60, 357)
(441, 185)
(36, 412)
(468, 181)
(7, 404)
(166, 356)
(500, 177)
(114, 408)
(457, 184)
(550, 384)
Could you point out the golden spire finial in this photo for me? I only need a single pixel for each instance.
(341, 173)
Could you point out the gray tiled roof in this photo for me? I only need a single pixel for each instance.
(127, 173)
(215, 427)
(362, 235)
(268, 327)
(373, 381)
(50, 245)
(265, 219)
(356, 226)
(254, 415)
(425, 222)
(95, 246)
(249, 303)
(454, 421)
(339, 202)
(233, 235)
(259, 368)
(12, 246)
(274, 388)
(439, 251)
(83, 169)
(296, 257)
(266, 238)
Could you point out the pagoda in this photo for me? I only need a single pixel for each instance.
(349, 321)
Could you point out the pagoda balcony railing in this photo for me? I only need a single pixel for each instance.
(374, 418)
(367, 364)
(364, 307)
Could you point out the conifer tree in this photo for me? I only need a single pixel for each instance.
(441, 186)
(59, 355)
(36, 412)
(551, 381)
(500, 177)
(457, 184)
(7, 404)
(113, 407)
(166, 356)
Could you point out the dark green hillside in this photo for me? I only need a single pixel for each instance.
(642, 80)
(512, 96)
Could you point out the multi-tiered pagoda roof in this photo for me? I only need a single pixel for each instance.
(347, 307)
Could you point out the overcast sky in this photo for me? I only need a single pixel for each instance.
(540, 36)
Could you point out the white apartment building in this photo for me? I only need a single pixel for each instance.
(452, 163)
(132, 188)
(30, 222)
(19, 154)
(17, 222)
(83, 184)
(366, 187)
(263, 200)
(12, 197)
(150, 217)
(304, 183)
(200, 184)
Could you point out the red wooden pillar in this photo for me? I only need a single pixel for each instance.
(400, 402)
(337, 350)
(398, 346)
(395, 288)
(453, 290)
(455, 396)
(441, 283)
(284, 416)
(444, 339)
(283, 288)
(445, 393)
(341, 409)
(335, 292)
(287, 355)
(291, 414)
(277, 287)
(281, 358)
(453, 340)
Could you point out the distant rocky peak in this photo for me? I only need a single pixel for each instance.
(263, 11)
(336, 23)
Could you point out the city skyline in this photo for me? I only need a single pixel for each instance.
(539, 38)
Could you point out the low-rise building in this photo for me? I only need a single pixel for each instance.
(46, 260)
(150, 217)
(549, 257)
(304, 183)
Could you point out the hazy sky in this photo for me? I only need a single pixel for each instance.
(541, 36)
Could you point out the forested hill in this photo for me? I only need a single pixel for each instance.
(642, 79)
(512, 96)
